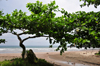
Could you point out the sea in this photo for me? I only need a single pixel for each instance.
(17, 49)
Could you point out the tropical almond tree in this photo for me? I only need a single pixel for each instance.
(41, 23)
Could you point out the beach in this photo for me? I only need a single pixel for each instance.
(68, 58)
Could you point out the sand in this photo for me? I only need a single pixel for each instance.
(69, 58)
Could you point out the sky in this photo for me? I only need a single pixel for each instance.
(8, 6)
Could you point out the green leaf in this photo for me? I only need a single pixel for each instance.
(83, 24)
(93, 33)
(96, 37)
(88, 41)
(98, 32)
(50, 46)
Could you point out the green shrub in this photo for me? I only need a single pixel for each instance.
(5, 63)
(21, 62)
(30, 60)
(98, 53)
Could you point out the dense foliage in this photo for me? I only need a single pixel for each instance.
(90, 2)
(88, 33)
(89, 30)
(2, 40)
(1, 29)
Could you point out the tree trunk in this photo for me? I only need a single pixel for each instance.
(21, 44)
(23, 51)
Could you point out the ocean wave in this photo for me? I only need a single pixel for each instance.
(19, 50)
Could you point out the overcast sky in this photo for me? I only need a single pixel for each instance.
(7, 6)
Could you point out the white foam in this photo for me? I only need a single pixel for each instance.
(19, 50)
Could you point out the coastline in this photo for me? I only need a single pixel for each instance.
(68, 58)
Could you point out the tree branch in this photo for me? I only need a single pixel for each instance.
(17, 36)
(25, 38)
(33, 37)
(23, 33)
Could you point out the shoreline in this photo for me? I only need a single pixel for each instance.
(68, 58)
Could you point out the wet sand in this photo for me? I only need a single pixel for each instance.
(75, 58)
(69, 58)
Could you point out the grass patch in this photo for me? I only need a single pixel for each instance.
(21, 62)
(97, 53)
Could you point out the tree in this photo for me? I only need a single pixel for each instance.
(90, 2)
(88, 31)
(41, 23)
(2, 30)
(38, 23)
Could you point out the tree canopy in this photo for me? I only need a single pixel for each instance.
(1, 29)
(89, 30)
(41, 23)
(90, 2)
